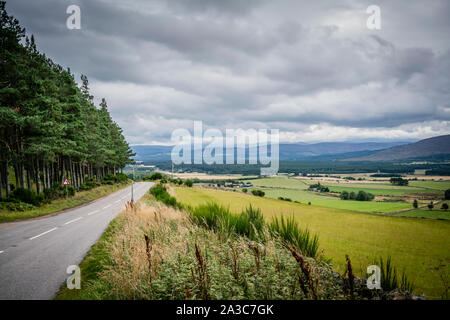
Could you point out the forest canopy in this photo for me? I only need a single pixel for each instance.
(50, 128)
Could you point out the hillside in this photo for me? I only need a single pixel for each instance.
(291, 151)
(424, 148)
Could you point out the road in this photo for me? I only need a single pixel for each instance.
(35, 254)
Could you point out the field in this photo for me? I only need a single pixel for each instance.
(418, 245)
(436, 213)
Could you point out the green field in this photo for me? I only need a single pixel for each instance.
(436, 213)
(296, 190)
(414, 244)
(434, 185)
(334, 202)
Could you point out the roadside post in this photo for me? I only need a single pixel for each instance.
(66, 183)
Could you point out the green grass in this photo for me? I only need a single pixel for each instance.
(436, 213)
(79, 198)
(435, 185)
(94, 263)
(334, 202)
(414, 244)
(378, 190)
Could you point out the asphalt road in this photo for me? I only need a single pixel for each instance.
(35, 254)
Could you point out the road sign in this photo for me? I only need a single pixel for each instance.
(66, 182)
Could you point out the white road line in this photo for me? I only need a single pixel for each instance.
(73, 220)
(43, 233)
(107, 206)
(93, 212)
(2, 251)
(117, 201)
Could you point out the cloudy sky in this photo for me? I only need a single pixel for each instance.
(311, 69)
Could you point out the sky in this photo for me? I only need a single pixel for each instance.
(311, 69)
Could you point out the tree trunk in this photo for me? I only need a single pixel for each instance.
(37, 177)
(29, 182)
(8, 188)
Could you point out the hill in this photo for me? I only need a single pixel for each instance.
(419, 150)
(288, 151)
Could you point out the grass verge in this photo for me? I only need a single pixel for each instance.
(57, 205)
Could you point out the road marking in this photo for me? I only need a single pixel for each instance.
(43, 233)
(73, 220)
(107, 206)
(93, 212)
(117, 201)
(2, 251)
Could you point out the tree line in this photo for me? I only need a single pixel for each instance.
(50, 129)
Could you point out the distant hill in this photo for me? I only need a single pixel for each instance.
(288, 151)
(430, 147)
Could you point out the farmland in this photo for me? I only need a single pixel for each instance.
(418, 245)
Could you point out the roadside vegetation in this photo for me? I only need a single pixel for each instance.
(19, 210)
(418, 246)
(151, 251)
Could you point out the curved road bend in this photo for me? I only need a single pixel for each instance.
(35, 254)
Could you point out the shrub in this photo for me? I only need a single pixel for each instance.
(364, 196)
(188, 183)
(415, 204)
(258, 193)
(447, 194)
(154, 176)
(431, 205)
(244, 190)
(344, 195)
(160, 193)
(444, 206)
(16, 206)
(25, 195)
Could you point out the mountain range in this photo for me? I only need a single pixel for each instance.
(344, 151)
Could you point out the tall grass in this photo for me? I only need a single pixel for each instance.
(250, 223)
(289, 230)
(390, 279)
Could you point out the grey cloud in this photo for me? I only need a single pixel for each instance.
(290, 64)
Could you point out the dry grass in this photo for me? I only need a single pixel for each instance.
(156, 252)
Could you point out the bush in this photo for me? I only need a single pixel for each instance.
(25, 195)
(447, 194)
(431, 205)
(16, 206)
(364, 196)
(188, 183)
(160, 193)
(344, 195)
(244, 190)
(415, 204)
(112, 179)
(154, 176)
(90, 184)
(58, 191)
(444, 206)
(258, 193)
